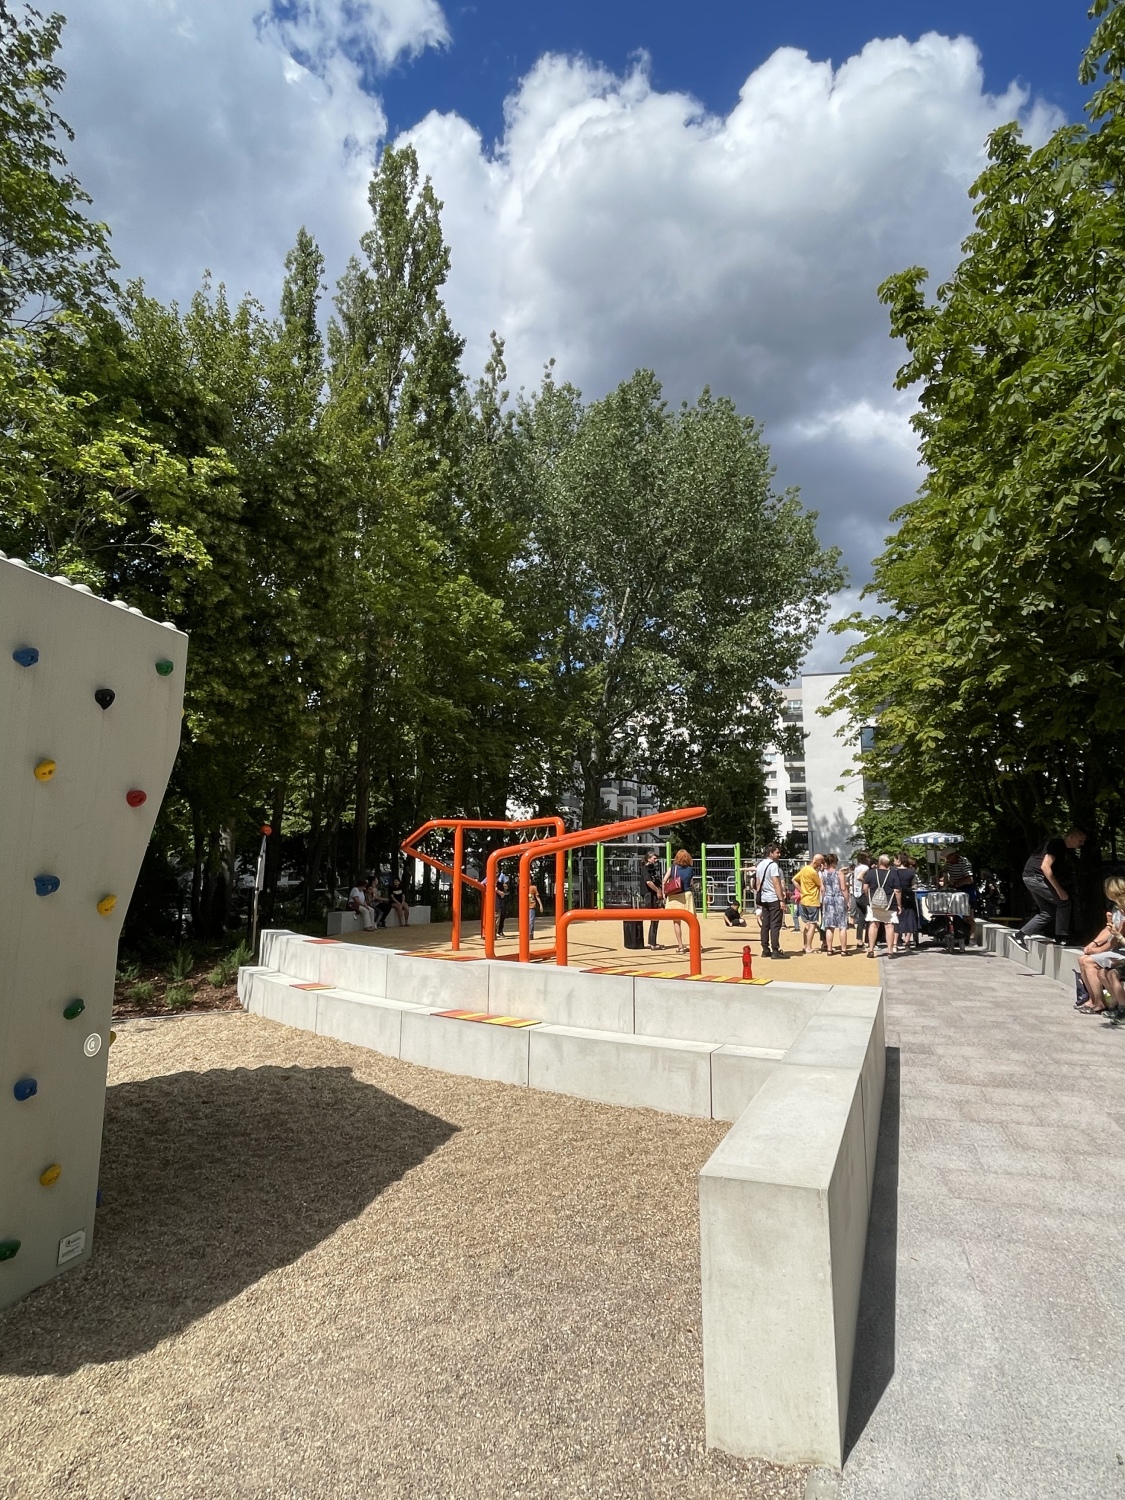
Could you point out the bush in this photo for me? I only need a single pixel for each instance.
(128, 969)
(181, 965)
(178, 996)
(142, 993)
(225, 970)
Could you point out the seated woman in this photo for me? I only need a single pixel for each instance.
(398, 902)
(1103, 960)
(380, 904)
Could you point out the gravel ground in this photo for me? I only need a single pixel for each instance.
(321, 1272)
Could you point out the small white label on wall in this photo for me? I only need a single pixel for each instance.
(92, 1045)
(71, 1245)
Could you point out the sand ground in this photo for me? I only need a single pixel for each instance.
(322, 1272)
(601, 945)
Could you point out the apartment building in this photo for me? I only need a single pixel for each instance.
(815, 790)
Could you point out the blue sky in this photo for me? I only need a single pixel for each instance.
(715, 192)
(709, 49)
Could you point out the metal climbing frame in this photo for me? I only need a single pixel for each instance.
(557, 846)
(456, 872)
(720, 875)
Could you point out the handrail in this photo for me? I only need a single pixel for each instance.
(557, 846)
(455, 871)
(633, 914)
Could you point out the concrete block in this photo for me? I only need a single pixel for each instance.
(863, 1000)
(1038, 953)
(1060, 962)
(343, 922)
(644, 1072)
(771, 1015)
(831, 1041)
(267, 942)
(437, 984)
(783, 1223)
(361, 1020)
(293, 954)
(564, 997)
(466, 1047)
(355, 967)
(419, 917)
(737, 1073)
(273, 996)
(245, 975)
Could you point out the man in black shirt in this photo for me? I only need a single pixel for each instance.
(1049, 878)
(653, 888)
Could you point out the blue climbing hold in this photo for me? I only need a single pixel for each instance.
(27, 656)
(98, 1199)
(23, 1088)
(104, 697)
(46, 885)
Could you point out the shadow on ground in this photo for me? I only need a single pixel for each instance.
(875, 1331)
(209, 1182)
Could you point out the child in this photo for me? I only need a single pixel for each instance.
(534, 904)
(733, 915)
(1103, 960)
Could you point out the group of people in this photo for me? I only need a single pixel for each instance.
(373, 901)
(875, 894)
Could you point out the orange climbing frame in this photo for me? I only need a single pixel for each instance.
(556, 846)
(630, 914)
(456, 873)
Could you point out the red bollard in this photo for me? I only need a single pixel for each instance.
(747, 964)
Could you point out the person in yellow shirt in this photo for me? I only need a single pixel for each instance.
(808, 882)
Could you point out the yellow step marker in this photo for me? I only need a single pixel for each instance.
(45, 770)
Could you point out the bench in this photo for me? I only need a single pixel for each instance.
(340, 922)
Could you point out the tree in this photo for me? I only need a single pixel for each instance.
(51, 255)
(996, 659)
(676, 589)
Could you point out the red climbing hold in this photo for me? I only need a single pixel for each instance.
(136, 797)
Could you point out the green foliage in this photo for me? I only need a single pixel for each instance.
(226, 970)
(179, 996)
(142, 992)
(996, 657)
(180, 966)
(128, 969)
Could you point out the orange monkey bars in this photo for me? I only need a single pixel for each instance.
(556, 846)
(457, 876)
(638, 914)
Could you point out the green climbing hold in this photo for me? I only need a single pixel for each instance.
(8, 1248)
(74, 1009)
(165, 667)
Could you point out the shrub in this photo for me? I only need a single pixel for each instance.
(178, 996)
(142, 993)
(227, 967)
(181, 965)
(128, 969)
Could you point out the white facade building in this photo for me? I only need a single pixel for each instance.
(819, 792)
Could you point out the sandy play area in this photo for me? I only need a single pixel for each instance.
(319, 1272)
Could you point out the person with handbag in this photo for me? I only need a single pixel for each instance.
(1102, 963)
(678, 892)
(884, 902)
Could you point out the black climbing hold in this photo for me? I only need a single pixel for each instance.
(27, 656)
(46, 885)
(104, 697)
(74, 1009)
(8, 1248)
(23, 1088)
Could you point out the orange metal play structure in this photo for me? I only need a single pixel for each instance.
(527, 850)
(638, 914)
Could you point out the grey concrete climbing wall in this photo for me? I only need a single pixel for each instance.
(91, 697)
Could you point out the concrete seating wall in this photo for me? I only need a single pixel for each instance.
(1056, 961)
(784, 1200)
(349, 921)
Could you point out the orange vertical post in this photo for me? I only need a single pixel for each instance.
(458, 866)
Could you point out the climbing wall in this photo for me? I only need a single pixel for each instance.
(91, 695)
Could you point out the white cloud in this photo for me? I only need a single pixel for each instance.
(618, 226)
(208, 132)
(613, 226)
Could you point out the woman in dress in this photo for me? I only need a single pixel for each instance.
(907, 880)
(834, 906)
(681, 894)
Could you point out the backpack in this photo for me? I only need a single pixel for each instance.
(881, 896)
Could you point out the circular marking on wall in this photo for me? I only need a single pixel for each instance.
(92, 1045)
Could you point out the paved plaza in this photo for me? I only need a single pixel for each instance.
(991, 1358)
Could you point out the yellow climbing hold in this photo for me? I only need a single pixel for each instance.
(112, 1037)
(44, 770)
(50, 1174)
(106, 905)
